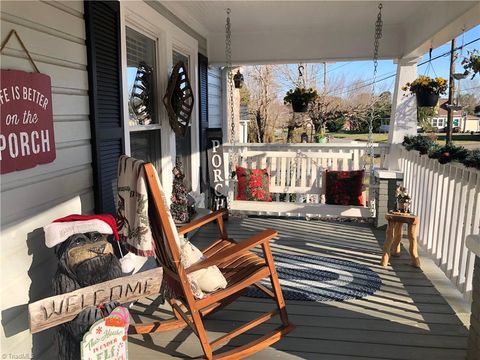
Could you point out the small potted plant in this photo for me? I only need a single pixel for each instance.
(427, 90)
(471, 64)
(320, 137)
(300, 98)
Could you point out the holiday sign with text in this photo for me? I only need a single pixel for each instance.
(107, 338)
(26, 123)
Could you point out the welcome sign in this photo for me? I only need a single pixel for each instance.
(26, 120)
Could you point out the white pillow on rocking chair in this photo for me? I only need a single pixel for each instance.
(209, 279)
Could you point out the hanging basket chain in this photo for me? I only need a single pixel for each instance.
(371, 154)
(228, 57)
(301, 79)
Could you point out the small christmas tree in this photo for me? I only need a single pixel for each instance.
(179, 206)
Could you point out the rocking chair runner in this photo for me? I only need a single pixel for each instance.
(240, 266)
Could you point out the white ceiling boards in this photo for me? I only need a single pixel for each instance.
(289, 31)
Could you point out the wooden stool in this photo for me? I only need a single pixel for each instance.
(394, 236)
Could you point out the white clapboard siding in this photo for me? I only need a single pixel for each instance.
(214, 98)
(54, 32)
(447, 201)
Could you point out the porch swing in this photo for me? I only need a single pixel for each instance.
(299, 174)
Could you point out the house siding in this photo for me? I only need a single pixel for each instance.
(54, 33)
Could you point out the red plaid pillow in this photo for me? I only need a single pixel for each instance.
(344, 187)
(253, 184)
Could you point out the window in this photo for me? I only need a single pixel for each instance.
(143, 120)
(440, 122)
(434, 122)
(183, 144)
(456, 122)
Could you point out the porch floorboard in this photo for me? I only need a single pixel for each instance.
(408, 318)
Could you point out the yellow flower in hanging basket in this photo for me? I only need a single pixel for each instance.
(426, 84)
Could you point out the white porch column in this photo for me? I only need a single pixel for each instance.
(403, 119)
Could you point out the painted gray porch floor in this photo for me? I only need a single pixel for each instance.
(408, 318)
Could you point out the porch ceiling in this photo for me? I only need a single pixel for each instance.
(292, 31)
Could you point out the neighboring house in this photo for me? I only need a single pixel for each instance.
(471, 123)
(440, 120)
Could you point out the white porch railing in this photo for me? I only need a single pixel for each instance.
(447, 200)
(298, 168)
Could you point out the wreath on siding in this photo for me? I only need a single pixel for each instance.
(179, 99)
(141, 101)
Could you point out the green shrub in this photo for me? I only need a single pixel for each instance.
(457, 153)
(472, 159)
(444, 154)
(420, 143)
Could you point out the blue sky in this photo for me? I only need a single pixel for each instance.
(363, 70)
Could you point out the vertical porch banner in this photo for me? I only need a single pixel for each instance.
(216, 166)
(26, 125)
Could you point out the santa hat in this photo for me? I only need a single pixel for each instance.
(61, 229)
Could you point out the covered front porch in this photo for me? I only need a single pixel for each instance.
(415, 314)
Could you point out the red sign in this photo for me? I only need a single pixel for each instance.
(26, 120)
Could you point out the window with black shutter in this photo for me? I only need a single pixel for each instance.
(102, 20)
(143, 113)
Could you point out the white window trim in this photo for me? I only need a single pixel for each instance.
(146, 20)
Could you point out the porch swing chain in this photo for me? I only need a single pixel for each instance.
(228, 56)
(378, 36)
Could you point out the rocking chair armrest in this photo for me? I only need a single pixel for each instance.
(234, 250)
(200, 222)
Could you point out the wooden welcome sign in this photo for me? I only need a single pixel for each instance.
(55, 310)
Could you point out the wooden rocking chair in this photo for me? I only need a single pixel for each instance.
(241, 268)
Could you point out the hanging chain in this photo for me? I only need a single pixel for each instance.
(301, 79)
(228, 56)
(370, 150)
(378, 36)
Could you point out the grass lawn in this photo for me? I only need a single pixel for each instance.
(459, 139)
(360, 137)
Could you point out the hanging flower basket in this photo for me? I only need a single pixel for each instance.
(471, 64)
(299, 106)
(300, 98)
(426, 100)
(427, 90)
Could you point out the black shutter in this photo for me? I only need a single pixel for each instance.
(203, 107)
(102, 20)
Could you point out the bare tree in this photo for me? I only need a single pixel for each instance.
(263, 89)
(288, 75)
(329, 110)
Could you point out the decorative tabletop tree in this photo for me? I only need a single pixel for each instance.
(179, 206)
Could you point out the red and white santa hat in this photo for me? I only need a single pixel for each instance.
(61, 229)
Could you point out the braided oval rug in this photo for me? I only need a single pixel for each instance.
(319, 278)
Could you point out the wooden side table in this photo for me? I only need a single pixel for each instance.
(394, 236)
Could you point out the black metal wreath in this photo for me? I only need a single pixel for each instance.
(178, 99)
(141, 99)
